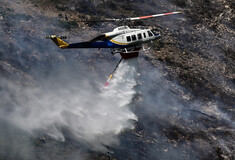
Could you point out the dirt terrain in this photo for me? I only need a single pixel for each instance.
(185, 96)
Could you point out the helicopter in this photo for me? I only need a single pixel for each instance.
(123, 40)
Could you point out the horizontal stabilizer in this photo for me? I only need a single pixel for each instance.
(54, 36)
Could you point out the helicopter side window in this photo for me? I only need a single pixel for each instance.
(144, 35)
(139, 36)
(150, 34)
(128, 38)
(133, 37)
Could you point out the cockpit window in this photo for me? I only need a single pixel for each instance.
(150, 34)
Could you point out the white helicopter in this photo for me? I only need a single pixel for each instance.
(123, 39)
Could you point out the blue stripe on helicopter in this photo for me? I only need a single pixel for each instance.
(103, 44)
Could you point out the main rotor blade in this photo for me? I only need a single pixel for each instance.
(152, 16)
(131, 19)
(101, 20)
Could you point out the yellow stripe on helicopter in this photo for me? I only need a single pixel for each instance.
(115, 41)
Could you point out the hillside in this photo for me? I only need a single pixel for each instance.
(183, 100)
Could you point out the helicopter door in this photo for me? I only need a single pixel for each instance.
(128, 38)
(139, 36)
(133, 37)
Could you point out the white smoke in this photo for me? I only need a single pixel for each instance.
(93, 115)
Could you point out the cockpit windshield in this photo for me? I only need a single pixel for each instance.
(155, 32)
(150, 33)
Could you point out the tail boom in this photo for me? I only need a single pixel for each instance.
(89, 44)
(58, 41)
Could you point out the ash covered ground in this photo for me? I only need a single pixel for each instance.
(176, 101)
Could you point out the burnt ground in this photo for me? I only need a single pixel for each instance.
(185, 104)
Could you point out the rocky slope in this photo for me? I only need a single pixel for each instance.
(195, 57)
(206, 62)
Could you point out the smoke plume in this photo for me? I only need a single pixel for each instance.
(92, 113)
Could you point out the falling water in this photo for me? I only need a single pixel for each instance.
(92, 116)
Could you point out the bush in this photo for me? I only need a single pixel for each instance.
(180, 3)
(67, 25)
(158, 45)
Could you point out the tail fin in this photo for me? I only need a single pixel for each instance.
(58, 41)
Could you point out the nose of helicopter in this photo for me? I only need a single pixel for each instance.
(157, 35)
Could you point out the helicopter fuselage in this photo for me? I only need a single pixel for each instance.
(121, 37)
(121, 40)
